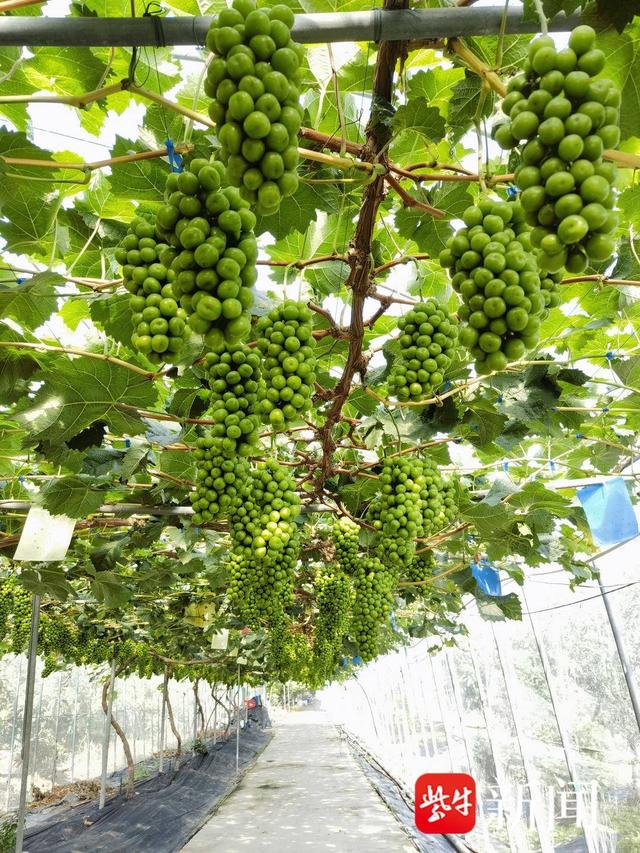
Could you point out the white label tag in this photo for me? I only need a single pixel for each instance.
(220, 639)
(45, 537)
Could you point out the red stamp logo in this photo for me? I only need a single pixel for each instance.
(445, 803)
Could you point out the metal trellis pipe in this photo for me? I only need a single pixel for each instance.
(26, 723)
(377, 25)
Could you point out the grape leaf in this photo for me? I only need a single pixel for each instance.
(32, 302)
(76, 393)
(72, 496)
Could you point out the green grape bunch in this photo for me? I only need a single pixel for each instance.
(21, 619)
(334, 601)
(493, 268)
(439, 498)
(234, 375)
(159, 322)
(396, 512)
(372, 603)
(253, 81)
(345, 534)
(211, 254)
(562, 117)
(261, 590)
(219, 479)
(285, 339)
(428, 347)
(264, 515)
(421, 568)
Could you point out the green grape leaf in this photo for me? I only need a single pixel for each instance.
(428, 233)
(32, 302)
(72, 496)
(416, 116)
(140, 180)
(76, 393)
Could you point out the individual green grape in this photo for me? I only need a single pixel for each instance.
(289, 366)
(159, 322)
(492, 266)
(219, 479)
(428, 347)
(253, 81)
(346, 538)
(372, 603)
(211, 252)
(562, 116)
(235, 379)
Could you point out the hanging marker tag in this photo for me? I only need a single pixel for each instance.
(175, 160)
(505, 467)
(45, 538)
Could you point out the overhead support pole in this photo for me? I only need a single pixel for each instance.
(376, 26)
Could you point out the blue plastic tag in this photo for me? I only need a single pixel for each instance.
(609, 512)
(487, 577)
(175, 160)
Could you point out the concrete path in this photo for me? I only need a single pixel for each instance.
(305, 793)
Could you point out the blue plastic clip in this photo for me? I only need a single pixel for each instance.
(127, 443)
(500, 398)
(605, 409)
(609, 356)
(512, 191)
(175, 160)
(505, 467)
(20, 479)
(356, 661)
(20, 280)
(579, 435)
(552, 465)
(447, 386)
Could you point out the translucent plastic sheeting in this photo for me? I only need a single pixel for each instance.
(68, 723)
(538, 711)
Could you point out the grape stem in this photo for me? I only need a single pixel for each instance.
(544, 27)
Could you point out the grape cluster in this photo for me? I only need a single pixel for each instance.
(265, 541)
(288, 655)
(253, 82)
(397, 511)
(439, 499)
(289, 366)
(421, 568)
(57, 636)
(218, 479)
(428, 345)
(6, 603)
(373, 598)
(21, 627)
(159, 323)
(212, 252)
(234, 378)
(494, 270)
(346, 539)
(564, 119)
(334, 599)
